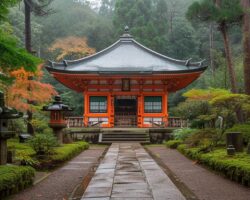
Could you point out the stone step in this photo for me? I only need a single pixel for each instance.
(124, 135)
(127, 130)
(110, 142)
(123, 139)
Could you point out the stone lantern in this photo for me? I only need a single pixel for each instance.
(5, 115)
(57, 117)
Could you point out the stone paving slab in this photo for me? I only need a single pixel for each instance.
(98, 192)
(128, 172)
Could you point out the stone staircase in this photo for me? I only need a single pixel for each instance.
(122, 135)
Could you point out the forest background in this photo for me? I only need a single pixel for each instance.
(76, 28)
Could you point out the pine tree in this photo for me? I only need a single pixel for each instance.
(246, 44)
(224, 13)
(40, 8)
(147, 19)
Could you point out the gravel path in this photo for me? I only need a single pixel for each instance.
(203, 183)
(60, 184)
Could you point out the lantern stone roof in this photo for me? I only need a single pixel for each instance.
(7, 112)
(57, 105)
(126, 56)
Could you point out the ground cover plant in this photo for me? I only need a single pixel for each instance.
(14, 179)
(236, 168)
(39, 153)
(42, 152)
(207, 148)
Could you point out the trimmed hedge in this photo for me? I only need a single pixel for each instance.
(173, 144)
(68, 151)
(14, 179)
(236, 168)
(62, 154)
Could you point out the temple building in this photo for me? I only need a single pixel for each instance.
(126, 84)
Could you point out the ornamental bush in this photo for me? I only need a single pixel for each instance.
(43, 144)
(202, 137)
(173, 144)
(14, 179)
(183, 133)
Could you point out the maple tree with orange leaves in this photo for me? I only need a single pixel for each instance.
(72, 47)
(24, 90)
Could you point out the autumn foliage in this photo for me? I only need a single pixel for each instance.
(71, 47)
(24, 89)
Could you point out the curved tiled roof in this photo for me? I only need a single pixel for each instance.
(126, 56)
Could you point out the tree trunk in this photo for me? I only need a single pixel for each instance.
(228, 53)
(27, 10)
(30, 128)
(211, 48)
(27, 26)
(246, 44)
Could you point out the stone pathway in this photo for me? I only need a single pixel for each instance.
(205, 184)
(127, 172)
(61, 182)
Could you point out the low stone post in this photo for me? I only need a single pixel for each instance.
(230, 150)
(6, 114)
(57, 117)
(235, 139)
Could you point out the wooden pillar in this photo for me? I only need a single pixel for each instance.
(111, 104)
(86, 108)
(139, 111)
(165, 119)
(140, 106)
(165, 108)
(111, 111)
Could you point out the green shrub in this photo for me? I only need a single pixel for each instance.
(39, 125)
(173, 144)
(57, 155)
(16, 146)
(202, 137)
(23, 152)
(237, 167)
(244, 129)
(14, 178)
(25, 158)
(43, 144)
(183, 133)
(68, 151)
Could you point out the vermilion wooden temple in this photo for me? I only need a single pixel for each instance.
(126, 84)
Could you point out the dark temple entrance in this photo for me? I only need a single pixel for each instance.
(125, 111)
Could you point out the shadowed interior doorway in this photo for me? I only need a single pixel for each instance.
(126, 111)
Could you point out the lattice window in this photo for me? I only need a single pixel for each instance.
(98, 104)
(153, 104)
